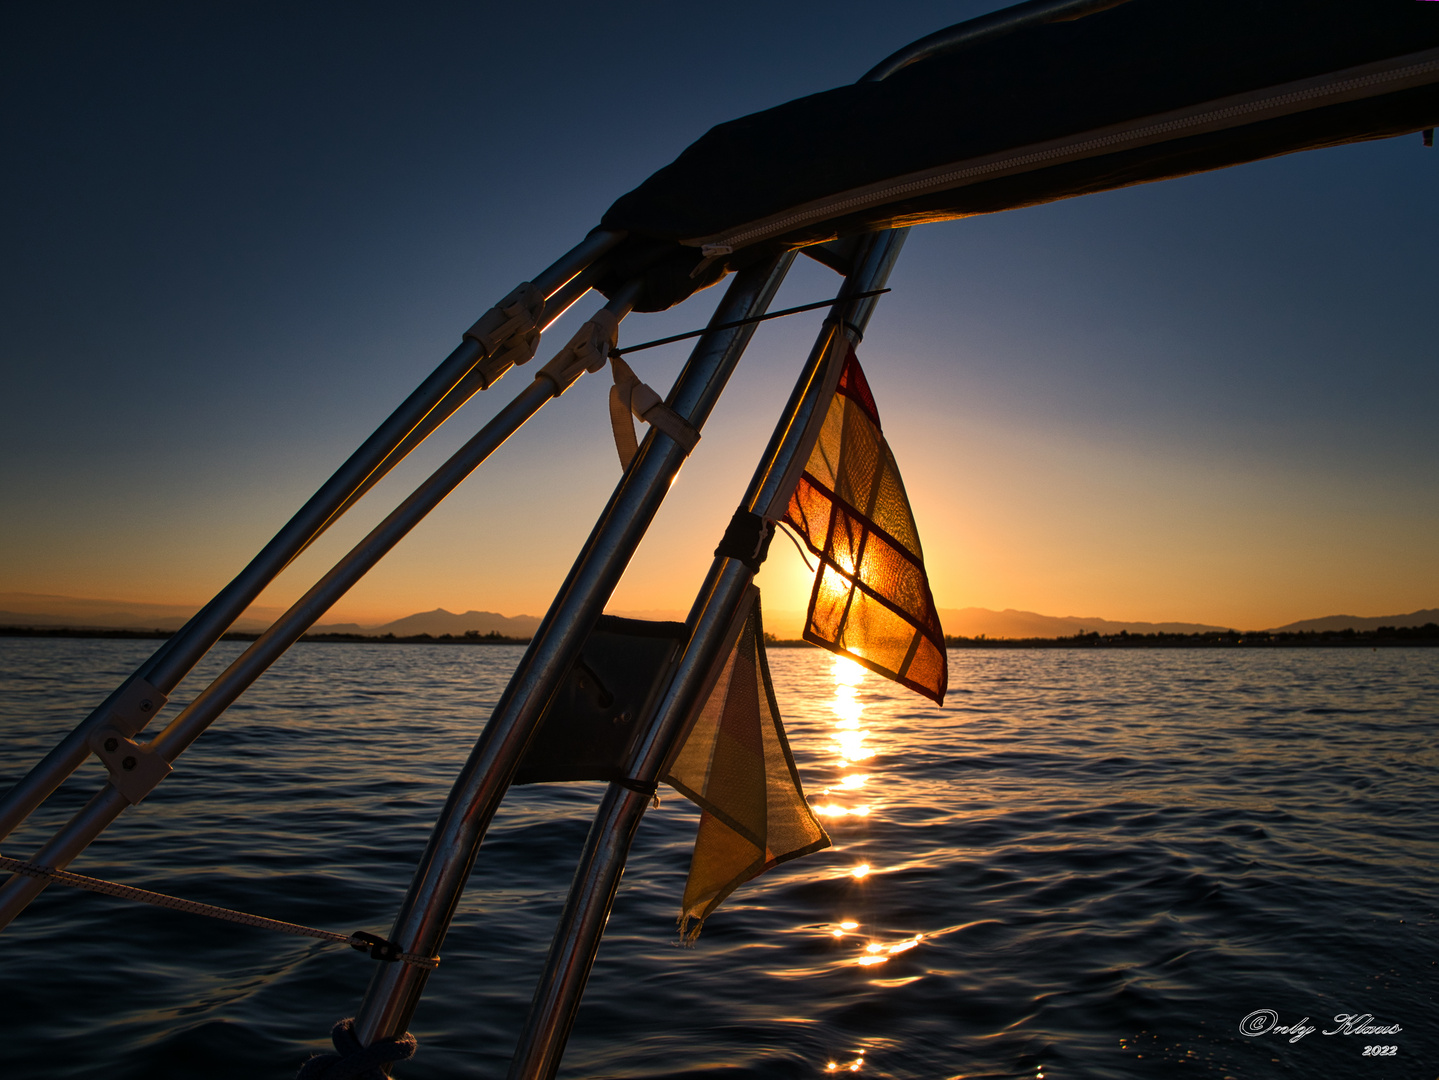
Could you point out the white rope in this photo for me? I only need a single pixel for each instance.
(194, 907)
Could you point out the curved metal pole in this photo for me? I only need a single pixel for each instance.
(174, 659)
(185, 728)
(986, 28)
(439, 881)
(716, 617)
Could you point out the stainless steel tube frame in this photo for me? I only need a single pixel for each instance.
(173, 660)
(597, 877)
(439, 880)
(718, 611)
(185, 728)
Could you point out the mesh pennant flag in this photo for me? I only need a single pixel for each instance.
(871, 600)
(735, 764)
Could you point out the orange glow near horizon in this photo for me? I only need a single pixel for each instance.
(1029, 524)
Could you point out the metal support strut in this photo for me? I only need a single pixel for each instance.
(484, 353)
(439, 880)
(135, 769)
(714, 621)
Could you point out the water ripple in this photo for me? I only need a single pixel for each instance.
(1086, 864)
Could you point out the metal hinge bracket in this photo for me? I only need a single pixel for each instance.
(138, 704)
(135, 769)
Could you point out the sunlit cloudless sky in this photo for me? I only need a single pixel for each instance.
(236, 235)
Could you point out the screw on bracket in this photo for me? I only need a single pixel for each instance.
(134, 769)
(137, 705)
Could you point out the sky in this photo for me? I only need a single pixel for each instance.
(237, 235)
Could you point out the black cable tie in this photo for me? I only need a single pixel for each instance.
(746, 538)
(639, 787)
(379, 948)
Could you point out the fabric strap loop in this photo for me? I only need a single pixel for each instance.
(630, 397)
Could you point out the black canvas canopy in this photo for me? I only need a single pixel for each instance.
(1135, 91)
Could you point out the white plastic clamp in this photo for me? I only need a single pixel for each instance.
(588, 350)
(509, 332)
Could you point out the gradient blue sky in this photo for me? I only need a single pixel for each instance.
(237, 234)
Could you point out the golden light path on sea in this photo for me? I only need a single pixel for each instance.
(846, 800)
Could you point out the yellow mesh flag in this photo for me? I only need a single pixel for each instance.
(735, 764)
(871, 600)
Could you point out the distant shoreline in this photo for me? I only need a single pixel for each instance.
(471, 638)
(1383, 637)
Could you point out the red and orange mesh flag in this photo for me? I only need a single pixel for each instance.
(871, 600)
(735, 764)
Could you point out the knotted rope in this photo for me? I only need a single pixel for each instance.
(354, 1061)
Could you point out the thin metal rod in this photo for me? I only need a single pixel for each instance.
(996, 24)
(738, 322)
(185, 728)
(718, 611)
(174, 659)
(440, 878)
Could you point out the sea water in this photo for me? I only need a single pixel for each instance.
(1087, 863)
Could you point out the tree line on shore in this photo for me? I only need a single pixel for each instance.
(1428, 634)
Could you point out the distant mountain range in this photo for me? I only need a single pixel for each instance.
(440, 621)
(1357, 622)
(42, 610)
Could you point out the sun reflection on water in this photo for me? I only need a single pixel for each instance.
(848, 736)
(839, 805)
